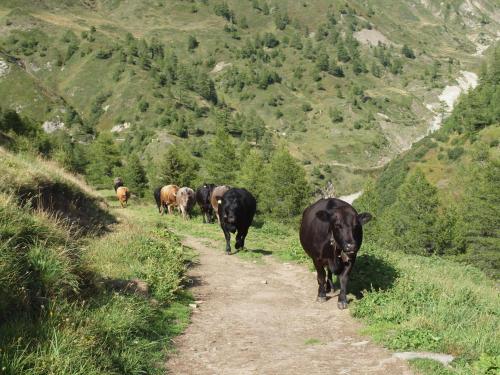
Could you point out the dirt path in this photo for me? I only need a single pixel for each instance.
(263, 319)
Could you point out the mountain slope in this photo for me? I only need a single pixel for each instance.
(307, 69)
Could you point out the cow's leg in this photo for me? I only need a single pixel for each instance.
(169, 209)
(204, 215)
(240, 238)
(321, 275)
(344, 277)
(329, 281)
(227, 235)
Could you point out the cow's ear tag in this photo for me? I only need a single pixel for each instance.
(219, 201)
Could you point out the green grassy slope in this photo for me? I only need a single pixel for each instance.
(380, 115)
(65, 276)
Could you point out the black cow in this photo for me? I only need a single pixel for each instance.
(117, 182)
(156, 194)
(236, 211)
(203, 195)
(331, 234)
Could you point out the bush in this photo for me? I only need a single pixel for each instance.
(455, 152)
(306, 107)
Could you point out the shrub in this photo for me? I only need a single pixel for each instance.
(455, 152)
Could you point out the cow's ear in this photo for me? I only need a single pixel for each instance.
(364, 217)
(323, 216)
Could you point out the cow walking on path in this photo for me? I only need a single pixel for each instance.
(331, 234)
(217, 194)
(185, 201)
(236, 211)
(168, 198)
(123, 195)
(203, 195)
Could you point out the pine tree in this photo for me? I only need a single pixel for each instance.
(134, 175)
(410, 222)
(222, 163)
(286, 188)
(250, 176)
(322, 62)
(408, 52)
(342, 53)
(176, 166)
(104, 157)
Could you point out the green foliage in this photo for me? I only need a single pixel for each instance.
(286, 188)
(133, 175)
(433, 305)
(192, 43)
(410, 221)
(408, 52)
(335, 115)
(455, 153)
(222, 163)
(104, 157)
(176, 166)
(481, 213)
(479, 108)
(251, 175)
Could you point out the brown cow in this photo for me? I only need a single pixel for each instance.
(168, 197)
(123, 195)
(217, 194)
(185, 201)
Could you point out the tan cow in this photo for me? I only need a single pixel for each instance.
(185, 201)
(123, 195)
(168, 197)
(217, 194)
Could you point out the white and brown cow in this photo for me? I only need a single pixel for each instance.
(185, 201)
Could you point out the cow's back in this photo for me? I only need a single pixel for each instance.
(122, 193)
(185, 197)
(168, 194)
(204, 193)
(217, 193)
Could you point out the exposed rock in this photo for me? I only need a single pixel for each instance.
(4, 68)
(221, 65)
(120, 127)
(445, 359)
(52, 126)
(372, 37)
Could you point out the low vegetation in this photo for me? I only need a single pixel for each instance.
(442, 196)
(70, 302)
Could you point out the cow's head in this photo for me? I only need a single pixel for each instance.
(345, 227)
(229, 213)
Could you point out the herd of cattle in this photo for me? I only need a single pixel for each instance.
(331, 230)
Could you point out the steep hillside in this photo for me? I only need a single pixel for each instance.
(447, 182)
(347, 86)
(61, 308)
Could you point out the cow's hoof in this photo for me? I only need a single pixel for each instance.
(342, 305)
(228, 252)
(321, 299)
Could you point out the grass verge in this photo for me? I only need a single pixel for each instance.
(65, 302)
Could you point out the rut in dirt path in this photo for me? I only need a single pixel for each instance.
(263, 319)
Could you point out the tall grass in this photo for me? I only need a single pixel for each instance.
(64, 307)
(436, 305)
